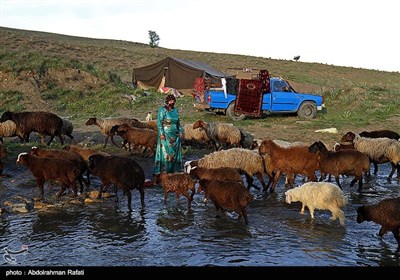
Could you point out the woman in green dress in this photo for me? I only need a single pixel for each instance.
(168, 156)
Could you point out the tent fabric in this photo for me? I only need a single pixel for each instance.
(179, 73)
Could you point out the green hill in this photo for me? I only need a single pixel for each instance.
(82, 77)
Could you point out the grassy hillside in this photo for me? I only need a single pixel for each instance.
(82, 77)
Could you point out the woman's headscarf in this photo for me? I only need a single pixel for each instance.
(169, 98)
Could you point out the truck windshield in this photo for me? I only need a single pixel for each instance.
(282, 86)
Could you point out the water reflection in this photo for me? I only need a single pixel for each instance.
(382, 255)
(116, 225)
(109, 234)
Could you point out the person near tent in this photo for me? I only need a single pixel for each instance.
(168, 90)
(168, 157)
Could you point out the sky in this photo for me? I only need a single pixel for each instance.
(353, 33)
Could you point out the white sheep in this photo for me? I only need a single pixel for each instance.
(380, 150)
(7, 129)
(244, 160)
(221, 133)
(196, 134)
(319, 195)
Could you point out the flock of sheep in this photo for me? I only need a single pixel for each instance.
(218, 174)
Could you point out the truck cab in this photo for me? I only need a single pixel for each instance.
(251, 99)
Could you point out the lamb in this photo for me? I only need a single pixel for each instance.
(244, 160)
(221, 133)
(44, 169)
(227, 195)
(105, 126)
(42, 122)
(385, 213)
(345, 162)
(3, 154)
(180, 183)
(122, 171)
(319, 195)
(221, 174)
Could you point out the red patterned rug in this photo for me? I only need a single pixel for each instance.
(249, 98)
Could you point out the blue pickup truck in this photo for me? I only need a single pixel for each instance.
(255, 97)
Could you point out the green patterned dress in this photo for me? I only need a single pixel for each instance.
(168, 156)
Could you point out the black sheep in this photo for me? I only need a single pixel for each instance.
(122, 171)
(45, 123)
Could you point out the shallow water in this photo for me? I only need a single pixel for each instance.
(108, 234)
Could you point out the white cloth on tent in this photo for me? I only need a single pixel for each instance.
(223, 81)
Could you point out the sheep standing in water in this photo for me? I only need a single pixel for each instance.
(227, 195)
(179, 183)
(3, 154)
(319, 195)
(122, 171)
(385, 213)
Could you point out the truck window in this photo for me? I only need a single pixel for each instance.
(280, 86)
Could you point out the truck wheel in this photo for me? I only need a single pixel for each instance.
(307, 110)
(232, 114)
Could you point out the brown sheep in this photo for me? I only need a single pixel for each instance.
(66, 129)
(76, 159)
(385, 213)
(44, 169)
(105, 126)
(290, 160)
(227, 195)
(45, 123)
(3, 154)
(137, 136)
(85, 153)
(221, 174)
(343, 162)
(122, 171)
(180, 183)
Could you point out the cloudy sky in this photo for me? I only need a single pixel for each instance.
(352, 33)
